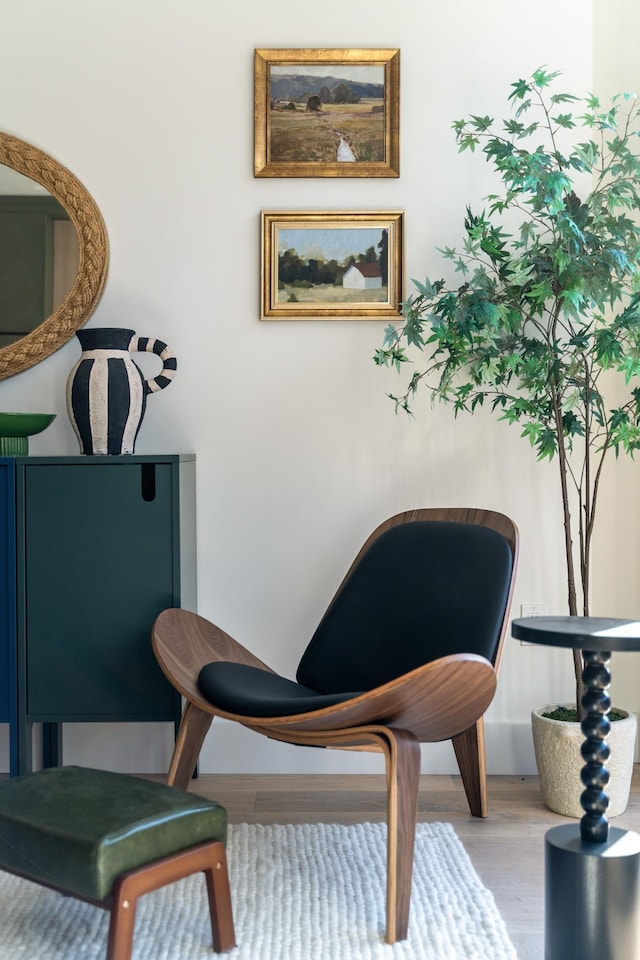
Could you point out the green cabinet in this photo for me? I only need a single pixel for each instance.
(103, 544)
(7, 597)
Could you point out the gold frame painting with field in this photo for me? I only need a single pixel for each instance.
(327, 113)
(343, 265)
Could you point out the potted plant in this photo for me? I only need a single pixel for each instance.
(548, 301)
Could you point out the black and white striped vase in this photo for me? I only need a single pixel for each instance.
(107, 392)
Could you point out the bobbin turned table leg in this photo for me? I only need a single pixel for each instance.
(594, 827)
(592, 872)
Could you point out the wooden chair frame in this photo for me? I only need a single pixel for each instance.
(391, 718)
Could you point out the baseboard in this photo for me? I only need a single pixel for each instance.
(230, 748)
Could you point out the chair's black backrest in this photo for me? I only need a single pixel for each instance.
(423, 589)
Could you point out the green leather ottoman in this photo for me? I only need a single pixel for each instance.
(109, 838)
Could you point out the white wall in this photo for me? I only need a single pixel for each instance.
(300, 454)
(617, 559)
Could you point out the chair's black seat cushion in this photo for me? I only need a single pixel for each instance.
(238, 688)
(423, 590)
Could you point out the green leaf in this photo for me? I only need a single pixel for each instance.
(468, 142)
(572, 426)
(425, 289)
(413, 332)
(391, 336)
(513, 127)
(519, 90)
(572, 300)
(564, 120)
(546, 444)
(630, 366)
(542, 78)
(563, 98)
(579, 340)
(618, 418)
(607, 349)
(524, 106)
(481, 124)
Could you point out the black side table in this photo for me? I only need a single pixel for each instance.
(592, 871)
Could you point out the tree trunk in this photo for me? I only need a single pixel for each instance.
(568, 546)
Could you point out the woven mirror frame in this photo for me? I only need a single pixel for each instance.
(82, 299)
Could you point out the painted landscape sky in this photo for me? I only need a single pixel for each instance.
(329, 244)
(363, 74)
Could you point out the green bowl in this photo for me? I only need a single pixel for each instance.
(16, 428)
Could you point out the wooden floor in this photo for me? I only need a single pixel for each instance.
(507, 849)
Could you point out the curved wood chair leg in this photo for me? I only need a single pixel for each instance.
(469, 749)
(402, 755)
(194, 726)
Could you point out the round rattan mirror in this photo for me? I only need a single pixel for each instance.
(81, 300)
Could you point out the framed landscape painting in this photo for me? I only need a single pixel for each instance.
(332, 265)
(327, 113)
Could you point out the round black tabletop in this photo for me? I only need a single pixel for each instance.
(582, 633)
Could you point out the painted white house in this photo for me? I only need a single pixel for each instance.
(363, 276)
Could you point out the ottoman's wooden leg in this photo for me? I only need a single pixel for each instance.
(217, 877)
(208, 858)
(121, 924)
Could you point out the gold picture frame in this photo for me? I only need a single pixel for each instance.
(332, 265)
(327, 113)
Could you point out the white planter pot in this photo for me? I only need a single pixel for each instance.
(557, 746)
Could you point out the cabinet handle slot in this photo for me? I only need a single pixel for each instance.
(148, 481)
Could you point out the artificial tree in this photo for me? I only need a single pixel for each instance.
(549, 298)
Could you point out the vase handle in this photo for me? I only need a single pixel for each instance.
(169, 362)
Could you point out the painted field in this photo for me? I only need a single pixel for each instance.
(328, 293)
(301, 136)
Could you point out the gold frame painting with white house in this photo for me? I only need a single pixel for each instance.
(332, 265)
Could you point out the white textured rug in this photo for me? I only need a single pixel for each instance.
(313, 892)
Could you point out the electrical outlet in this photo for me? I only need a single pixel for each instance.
(531, 610)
